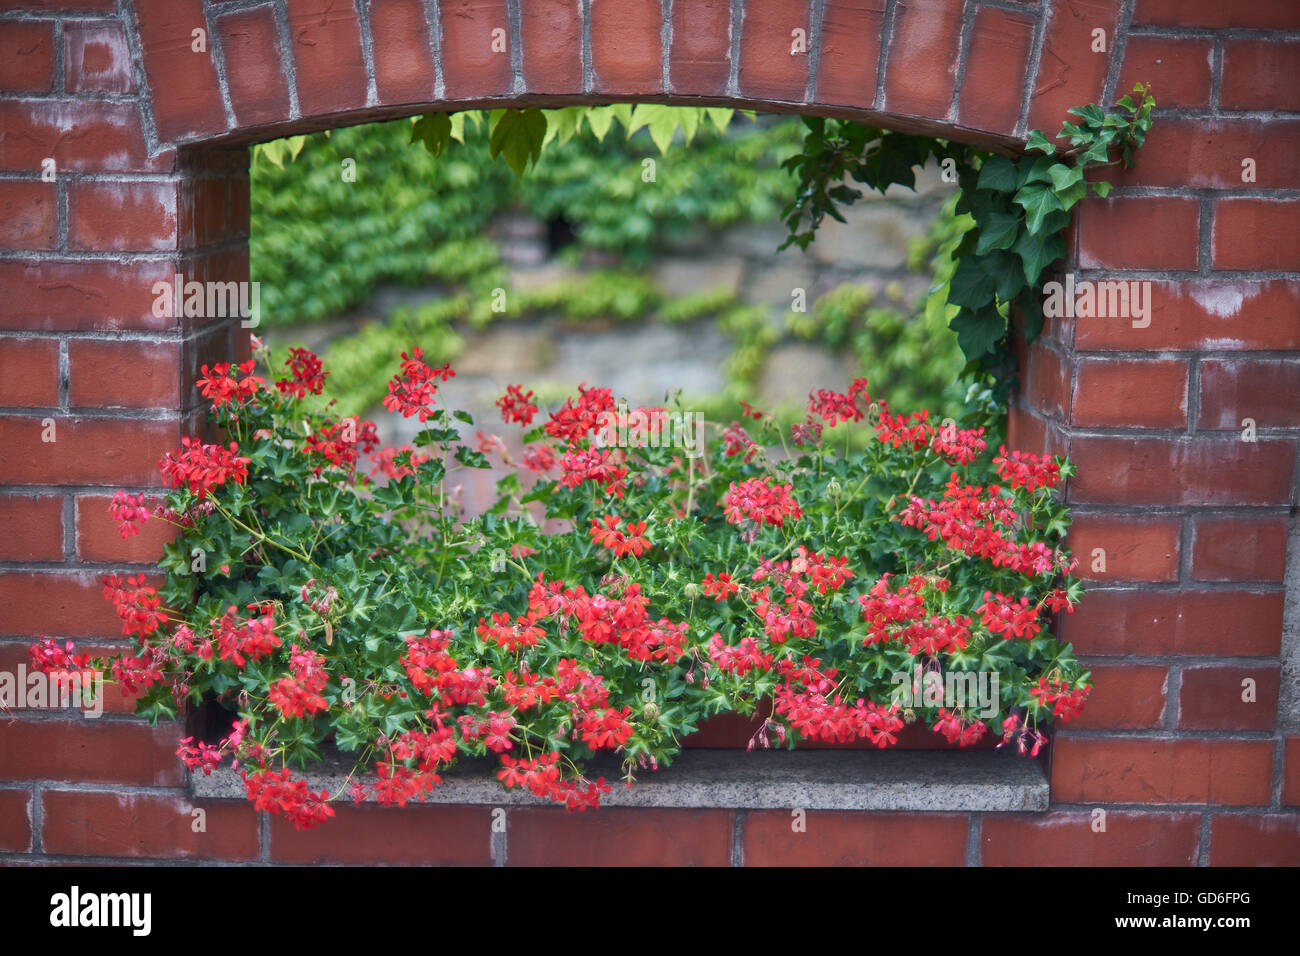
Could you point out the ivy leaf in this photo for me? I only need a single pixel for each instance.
(1038, 252)
(600, 118)
(972, 285)
(1101, 188)
(562, 124)
(999, 174)
(1005, 270)
(1040, 143)
(998, 231)
(434, 131)
(623, 113)
(517, 137)
(978, 331)
(1037, 201)
(721, 117)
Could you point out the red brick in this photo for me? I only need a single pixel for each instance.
(922, 69)
(854, 839)
(28, 215)
(1260, 75)
(105, 5)
(1269, 839)
(85, 295)
(186, 92)
(328, 64)
(1130, 394)
(91, 751)
(123, 374)
(1069, 72)
(991, 88)
(1253, 234)
(469, 66)
(80, 136)
(403, 53)
(700, 58)
(124, 217)
(1136, 549)
(1211, 698)
(1156, 623)
(71, 604)
(1209, 153)
(850, 52)
(1228, 315)
(96, 57)
(1238, 548)
(145, 825)
(1176, 70)
(1049, 382)
(1124, 697)
(551, 31)
(1261, 389)
(1226, 772)
(411, 835)
(204, 210)
(15, 821)
(1067, 838)
(1182, 471)
(1145, 233)
(1026, 431)
(98, 538)
(27, 56)
(250, 42)
(1262, 14)
(769, 67)
(31, 527)
(619, 836)
(88, 451)
(1291, 773)
(29, 373)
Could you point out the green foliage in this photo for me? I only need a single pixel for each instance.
(321, 245)
(1018, 207)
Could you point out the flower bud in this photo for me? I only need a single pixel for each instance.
(833, 489)
(691, 590)
(650, 711)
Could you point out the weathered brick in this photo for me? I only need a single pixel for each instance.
(551, 31)
(145, 825)
(1070, 838)
(259, 89)
(88, 451)
(29, 372)
(125, 217)
(411, 835)
(1238, 548)
(1255, 234)
(1162, 771)
(183, 80)
(773, 63)
(1213, 698)
(999, 50)
(31, 527)
(619, 836)
(854, 839)
(328, 64)
(1139, 233)
(1132, 548)
(470, 65)
(1269, 839)
(850, 52)
(1259, 74)
(1176, 69)
(27, 56)
(96, 57)
(1156, 623)
(921, 73)
(91, 751)
(1130, 394)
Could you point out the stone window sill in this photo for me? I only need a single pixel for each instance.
(985, 781)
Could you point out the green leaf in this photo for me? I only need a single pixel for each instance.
(517, 137)
(1040, 143)
(998, 173)
(721, 117)
(1037, 201)
(434, 131)
(978, 332)
(998, 231)
(972, 285)
(471, 458)
(1102, 188)
(1006, 272)
(623, 113)
(1037, 253)
(600, 118)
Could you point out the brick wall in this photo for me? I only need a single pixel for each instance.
(122, 162)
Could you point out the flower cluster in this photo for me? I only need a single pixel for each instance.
(607, 602)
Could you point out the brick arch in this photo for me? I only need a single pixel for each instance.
(151, 178)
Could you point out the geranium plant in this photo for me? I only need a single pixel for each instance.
(632, 580)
